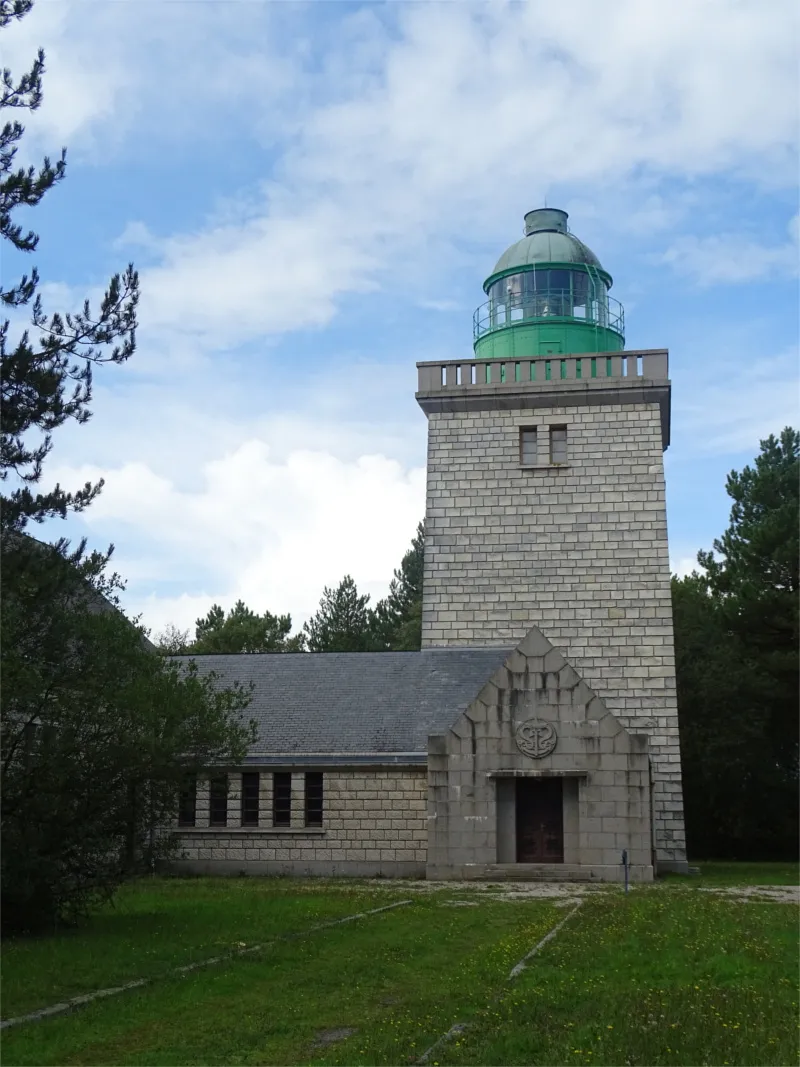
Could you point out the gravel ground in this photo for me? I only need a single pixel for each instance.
(780, 894)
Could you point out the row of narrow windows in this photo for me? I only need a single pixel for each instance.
(539, 445)
(250, 799)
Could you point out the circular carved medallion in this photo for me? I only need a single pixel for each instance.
(536, 738)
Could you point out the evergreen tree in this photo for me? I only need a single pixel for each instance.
(397, 619)
(757, 582)
(97, 731)
(736, 638)
(343, 621)
(46, 378)
(98, 734)
(243, 631)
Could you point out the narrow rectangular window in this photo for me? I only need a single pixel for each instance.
(218, 800)
(558, 444)
(250, 784)
(527, 446)
(282, 798)
(313, 798)
(187, 801)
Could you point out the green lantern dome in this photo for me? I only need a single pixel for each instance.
(548, 294)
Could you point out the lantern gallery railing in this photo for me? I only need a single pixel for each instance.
(549, 305)
(456, 375)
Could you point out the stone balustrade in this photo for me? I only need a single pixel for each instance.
(610, 368)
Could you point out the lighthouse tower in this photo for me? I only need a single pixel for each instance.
(545, 494)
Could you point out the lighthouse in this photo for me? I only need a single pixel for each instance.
(546, 498)
(535, 733)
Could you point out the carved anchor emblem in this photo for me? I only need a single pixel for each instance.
(536, 738)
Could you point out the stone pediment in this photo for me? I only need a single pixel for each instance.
(533, 703)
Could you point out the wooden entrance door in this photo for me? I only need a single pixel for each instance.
(540, 820)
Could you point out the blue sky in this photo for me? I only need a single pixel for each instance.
(314, 193)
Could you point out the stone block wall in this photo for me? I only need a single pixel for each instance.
(578, 549)
(474, 766)
(374, 823)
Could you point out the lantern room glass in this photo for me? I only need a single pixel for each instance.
(553, 292)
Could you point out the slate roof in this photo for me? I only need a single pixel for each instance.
(363, 703)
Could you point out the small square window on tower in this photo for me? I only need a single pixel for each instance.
(558, 444)
(527, 446)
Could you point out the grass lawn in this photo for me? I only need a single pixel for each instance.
(654, 979)
(659, 977)
(158, 924)
(720, 872)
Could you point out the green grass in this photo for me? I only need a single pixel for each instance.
(654, 979)
(158, 924)
(399, 979)
(659, 977)
(718, 872)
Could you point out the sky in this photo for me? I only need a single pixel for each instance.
(313, 195)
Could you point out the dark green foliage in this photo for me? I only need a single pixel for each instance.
(345, 622)
(244, 631)
(736, 647)
(97, 731)
(757, 583)
(397, 619)
(97, 734)
(342, 622)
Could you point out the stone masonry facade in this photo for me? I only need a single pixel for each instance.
(475, 767)
(374, 823)
(577, 548)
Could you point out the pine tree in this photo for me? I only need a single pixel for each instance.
(97, 731)
(397, 619)
(243, 631)
(343, 621)
(46, 376)
(757, 577)
(736, 651)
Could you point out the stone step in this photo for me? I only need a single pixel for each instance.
(544, 872)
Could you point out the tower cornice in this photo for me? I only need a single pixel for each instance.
(632, 377)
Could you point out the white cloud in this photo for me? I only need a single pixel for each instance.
(394, 145)
(159, 612)
(683, 566)
(459, 119)
(732, 258)
(83, 81)
(117, 81)
(271, 532)
(236, 282)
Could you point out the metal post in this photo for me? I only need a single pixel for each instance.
(625, 866)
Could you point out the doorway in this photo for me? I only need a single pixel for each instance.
(540, 820)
